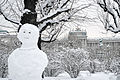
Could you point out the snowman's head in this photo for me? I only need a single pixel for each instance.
(28, 34)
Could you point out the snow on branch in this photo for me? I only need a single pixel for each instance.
(117, 1)
(53, 15)
(64, 3)
(49, 19)
(3, 2)
(112, 7)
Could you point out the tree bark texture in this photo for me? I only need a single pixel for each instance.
(30, 17)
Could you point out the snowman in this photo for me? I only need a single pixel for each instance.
(27, 62)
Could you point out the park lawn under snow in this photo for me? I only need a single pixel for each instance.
(96, 76)
(100, 76)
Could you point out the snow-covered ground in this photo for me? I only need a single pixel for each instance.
(99, 76)
(84, 76)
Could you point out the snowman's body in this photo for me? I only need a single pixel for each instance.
(27, 62)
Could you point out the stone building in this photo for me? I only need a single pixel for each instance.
(101, 48)
(80, 36)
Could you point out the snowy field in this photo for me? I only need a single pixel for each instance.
(83, 76)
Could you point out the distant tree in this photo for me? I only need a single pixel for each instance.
(54, 54)
(64, 58)
(115, 66)
(3, 60)
(6, 47)
(75, 60)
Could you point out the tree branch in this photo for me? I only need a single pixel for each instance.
(49, 41)
(112, 30)
(9, 19)
(52, 15)
(118, 2)
(111, 12)
(55, 34)
(65, 3)
(4, 2)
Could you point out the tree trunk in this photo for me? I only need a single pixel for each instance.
(39, 42)
(30, 15)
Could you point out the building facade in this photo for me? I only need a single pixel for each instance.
(103, 47)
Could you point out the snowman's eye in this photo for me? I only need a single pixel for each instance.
(29, 32)
(23, 31)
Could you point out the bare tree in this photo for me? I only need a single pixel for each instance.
(48, 15)
(75, 60)
(112, 9)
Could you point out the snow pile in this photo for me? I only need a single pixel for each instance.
(64, 74)
(84, 73)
